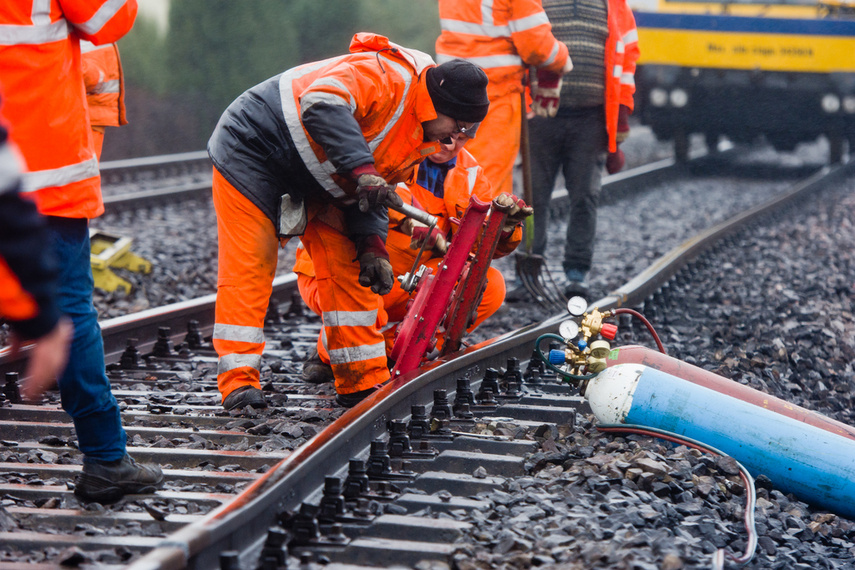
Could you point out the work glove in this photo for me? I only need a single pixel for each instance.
(372, 190)
(375, 271)
(615, 160)
(515, 207)
(433, 236)
(546, 93)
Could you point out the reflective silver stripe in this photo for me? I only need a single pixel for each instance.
(618, 71)
(10, 169)
(350, 318)
(472, 174)
(552, 55)
(105, 87)
(486, 62)
(620, 47)
(321, 97)
(238, 333)
(461, 27)
(41, 12)
(630, 37)
(627, 79)
(322, 172)
(34, 181)
(232, 361)
(406, 76)
(309, 99)
(357, 353)
(87, 46)
(102, 16)
(11, 35)
(528, 23)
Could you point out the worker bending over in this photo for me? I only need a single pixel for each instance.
(443, 186)
(311, 153)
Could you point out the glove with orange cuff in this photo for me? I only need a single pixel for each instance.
(517, 211)
(375, 270)
(372, 190)
(615, 160)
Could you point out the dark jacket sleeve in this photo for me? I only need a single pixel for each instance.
(359, 224)
(337, 131)
(25, 249)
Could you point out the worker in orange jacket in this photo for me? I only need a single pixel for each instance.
(312, 152)
(42, 76)
(442, 187)
(503, 37)
(28, 279)
(105, 89)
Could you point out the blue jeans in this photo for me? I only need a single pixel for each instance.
(574, 141)
(84, 387)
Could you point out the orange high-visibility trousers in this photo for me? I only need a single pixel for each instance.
(498, 142)
(352, 314)
(246, 259)
(395, 304)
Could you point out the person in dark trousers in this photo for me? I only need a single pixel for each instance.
(45, 105)
(581, 119)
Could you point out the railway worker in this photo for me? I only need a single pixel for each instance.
(442, 187)
(291, 156)
(45, 104)
(503, 37)
(105, 89)
(28, 279)
(581, 120)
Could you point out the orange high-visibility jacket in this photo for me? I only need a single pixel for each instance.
(621, 54)
(263, 143)
(42, 77)
(105, 84)
(502, 36)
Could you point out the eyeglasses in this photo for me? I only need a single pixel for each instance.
(459, 130)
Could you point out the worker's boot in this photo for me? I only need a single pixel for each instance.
(243, 397)
(109, 482)
(316, 371)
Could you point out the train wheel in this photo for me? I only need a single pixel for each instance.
(681, 145)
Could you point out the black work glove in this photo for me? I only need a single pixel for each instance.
(375, 271)
(372, 189)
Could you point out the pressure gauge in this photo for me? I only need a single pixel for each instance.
(577, 306)
(568, 330)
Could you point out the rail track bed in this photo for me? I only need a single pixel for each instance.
(533, 484)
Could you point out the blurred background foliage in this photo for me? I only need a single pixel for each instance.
(186, 61)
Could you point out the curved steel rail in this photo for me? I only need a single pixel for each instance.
(239, 524)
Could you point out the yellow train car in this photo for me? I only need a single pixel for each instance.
(783, 70)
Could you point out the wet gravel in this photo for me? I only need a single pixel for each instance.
(773, 311)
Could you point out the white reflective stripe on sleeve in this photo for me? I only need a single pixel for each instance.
(472, 177)
(350, 318)
(34, 181)
(357, 353)
(528, 23)
(232, 361)
(630, 37)
(627, 79)
(618, 71)
(471, 28)
(322, 172)
(11, 35)
(86, 46)
(486, 62)
(105, 87)
(620, 47)
(238, 333)
(308, 100)
(487, 12)
(10, 169)
(102, 16)
(328, 98)
(552, 55)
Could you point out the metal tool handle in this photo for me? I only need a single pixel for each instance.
(416, 214)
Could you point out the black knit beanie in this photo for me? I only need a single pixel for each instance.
(459, 89)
